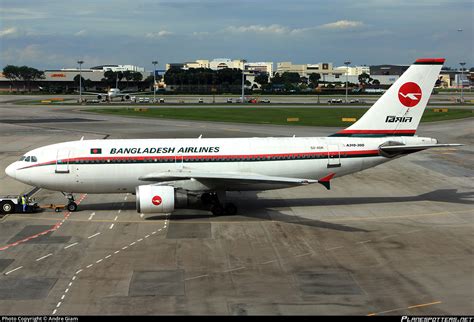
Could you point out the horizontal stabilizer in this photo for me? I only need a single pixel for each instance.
(414, 148)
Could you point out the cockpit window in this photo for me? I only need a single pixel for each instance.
(23, 158)
(28, 158)
(34, 159)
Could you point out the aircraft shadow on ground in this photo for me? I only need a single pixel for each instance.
(253, 208)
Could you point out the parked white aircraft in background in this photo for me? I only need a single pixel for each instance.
(113, 93)
(172, 173)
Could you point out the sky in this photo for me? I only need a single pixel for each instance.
(51, 34)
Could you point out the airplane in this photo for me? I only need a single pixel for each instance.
(166, 174)
(113, 93)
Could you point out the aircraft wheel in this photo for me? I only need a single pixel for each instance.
(206, 198)
(217, 210)
(7, 207)
(230, 209)
(72, 206)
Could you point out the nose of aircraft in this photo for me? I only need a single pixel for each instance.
(11, 170)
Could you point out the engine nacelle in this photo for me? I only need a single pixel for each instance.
(127, 97)
(155, 199)
(99, 97)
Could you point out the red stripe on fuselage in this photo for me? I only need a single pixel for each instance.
(206, 157)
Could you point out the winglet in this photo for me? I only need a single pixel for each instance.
(326, 181)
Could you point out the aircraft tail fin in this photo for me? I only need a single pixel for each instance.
(399, 110)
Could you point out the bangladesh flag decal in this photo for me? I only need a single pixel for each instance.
(96, 151)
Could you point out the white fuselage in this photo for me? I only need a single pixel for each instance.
(113, 166)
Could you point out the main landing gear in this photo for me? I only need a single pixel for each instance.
(71, 205)
(213, 201)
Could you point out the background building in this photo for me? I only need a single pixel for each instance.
(388, 69)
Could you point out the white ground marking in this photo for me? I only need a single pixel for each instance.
(301, 255)
(234, 269)
(91, 216)
(108, 256)
(363, 242)
(15, 269)
(389, 236)
(268, 262)
(43, 257)
(111, 226)
(70, 245)
(192, 278)
(92, 236)
(332, 248)
(120, 210)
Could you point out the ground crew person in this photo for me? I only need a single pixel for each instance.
(23, 202)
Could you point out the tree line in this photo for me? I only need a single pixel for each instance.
(23, 74)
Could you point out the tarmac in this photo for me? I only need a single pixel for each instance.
(392, 240)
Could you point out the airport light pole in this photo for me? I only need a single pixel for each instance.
(462, 79)
(80, 62)
(347, 63)
(243, 79)
(154, 79)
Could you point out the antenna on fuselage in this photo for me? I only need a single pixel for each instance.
(81, 139)
(200, 136)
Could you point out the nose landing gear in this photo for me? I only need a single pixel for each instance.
(72, 205)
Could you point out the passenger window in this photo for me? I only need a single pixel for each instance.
(27, 159)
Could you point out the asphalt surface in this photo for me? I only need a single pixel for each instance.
(395, 239)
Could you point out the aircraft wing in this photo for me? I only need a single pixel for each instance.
(223, 179)
(92, 93)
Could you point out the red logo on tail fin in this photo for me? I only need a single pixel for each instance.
(409, 94)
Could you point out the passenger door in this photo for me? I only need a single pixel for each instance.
(62, 161)
(334, 156)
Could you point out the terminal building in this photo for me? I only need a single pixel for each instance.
(64, 77)
(221, 63)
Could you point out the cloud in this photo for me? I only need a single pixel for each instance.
(342, 24)
(8, 32)
(270, 29)
(80, 33)
(159, 34)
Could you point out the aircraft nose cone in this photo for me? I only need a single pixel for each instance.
(11, 170)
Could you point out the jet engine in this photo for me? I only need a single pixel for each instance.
(99, 97)
(127, 97)
(161, 199)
